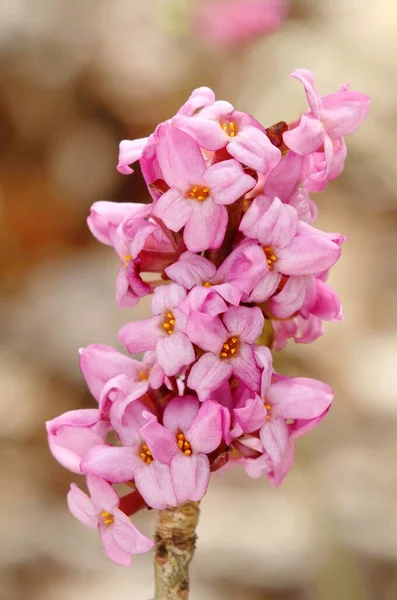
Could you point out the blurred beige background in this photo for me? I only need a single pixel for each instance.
(75, 78)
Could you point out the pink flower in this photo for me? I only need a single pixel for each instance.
(228, 347)
(290, 247)
(318, 172)
(197, 194)
(193, 270)
(189, 432)
(285, 409)
(237, 21)
(120, 538)
(329, 118)
(220, 126)
(132, 150)
(72, 434)
(163, 332)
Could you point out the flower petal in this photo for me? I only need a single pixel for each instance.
(205, 433)
(174, 352)
(180, 413)
(206, 226)
(127, 536)
(299, 398)
(102, 494)
(307, 255)
(253, 148)
(154, 483)
(245, 322)
(173, 209)
(227, 181)
(307, 137)
(129, 152)
(140, 336)
(244, 367)
(179, 156)
(275, 439)
(190, 476)
(207, 132)
(207, 374)
(306, 77)
(161, 441)
(81, 507)
(190, 270)
(112, 549)
(252, 416)
(115, 464)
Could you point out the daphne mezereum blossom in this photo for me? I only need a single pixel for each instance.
(240, 270)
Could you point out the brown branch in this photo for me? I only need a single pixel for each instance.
(175, 544)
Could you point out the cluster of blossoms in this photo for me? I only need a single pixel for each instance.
(241, 271)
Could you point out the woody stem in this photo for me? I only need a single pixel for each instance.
(175, 544)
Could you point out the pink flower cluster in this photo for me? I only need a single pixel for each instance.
(241, 270)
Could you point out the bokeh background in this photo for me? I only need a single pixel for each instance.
(75, 78)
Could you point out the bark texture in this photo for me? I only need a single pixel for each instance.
(175, 544)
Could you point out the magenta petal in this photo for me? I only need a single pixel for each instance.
(299, 398)
(206, 226)
(190, 476)
(208, 133)
(102, 494)
(173, 209)
(154, 483)
(227, 181)
(140, 336)
(161, 441)
(127, 536)
(252, 416)
(245, 322)
(275, 439)
(205, 433)
(115, 464)
(82, 507)
(307, 137)
(208, 374)
(253, 148)
(307, 255)
(174, 352)
(244, 367)
(180, 413)
(111, 548)
(126, 417)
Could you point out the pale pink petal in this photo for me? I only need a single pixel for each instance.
(127, 417)
(285, 177)
(166, 297)
(200, 97)
(299, 398)
(307, 255)
(129, 152)
(190, 270)
(307, 137)
(264, 360)
(205, 300)
(180, 413)
(252, 416)
(257, 467)
(307, 79)
(244, 367)
(266, 287)
(205, 433)
(154, 483)
(161, 441)
(140, 336)
(111, 548)
(206, 226)
(174, 352)
(102, 494)
(81, 507)
(227, 181)
(290, 299)
(208, 374)
(253, 148)
(105, 215)
(206, 331)
(275, 440)
(179, 157)
(69, 444)
(229, 293)
(247, 323)
(280, 471)
(190, 476)
(206, 132)
(343, 112)
(115, 464)
(278, 225)
(127, 536)
(173, 209)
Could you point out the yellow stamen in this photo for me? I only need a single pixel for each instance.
(207, 284)
(270, 256)
(230, 128)
(107, 517)
(169, 323)
(183, 444)
(230, 347)
(199, 192)
(146, 454)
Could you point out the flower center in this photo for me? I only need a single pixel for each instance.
(107, 517)
(230, 347)
(183, 444)
(207, 284)
(199, 192)
(230, 128)
(268, 409)
(127, 259)
(146, 455)
(169, 323)
(270, 256)
(144, 375)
